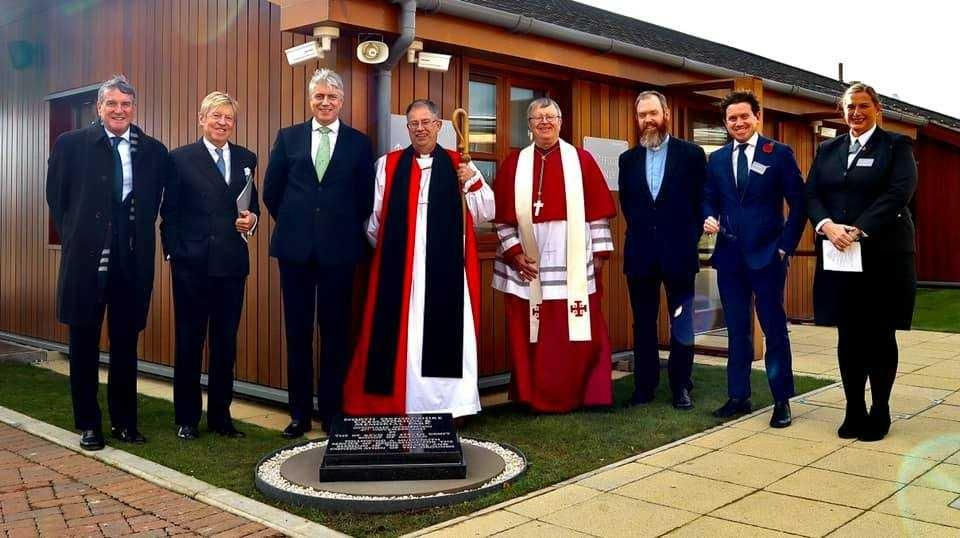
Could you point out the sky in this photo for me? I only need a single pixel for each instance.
(906, 49)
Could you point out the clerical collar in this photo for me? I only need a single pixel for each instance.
(548, 151)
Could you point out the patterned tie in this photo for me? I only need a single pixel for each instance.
(222, 165)
(742, 168)
(117, 170)
(855, 147)
(322, 158)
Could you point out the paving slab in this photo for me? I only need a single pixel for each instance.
(788, 514)
(923, 504)
(837, 488)
(617, 516)
(684, 491)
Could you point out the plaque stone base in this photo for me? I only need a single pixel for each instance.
(404, 447)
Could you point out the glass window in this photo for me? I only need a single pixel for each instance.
(483, 117)
(519, 128)
(488, 169)
(708, 131)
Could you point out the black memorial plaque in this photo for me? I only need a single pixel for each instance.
(404, 447)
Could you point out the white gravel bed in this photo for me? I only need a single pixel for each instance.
(269, 472)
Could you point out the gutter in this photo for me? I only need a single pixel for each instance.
(527, 25)
(407, 22)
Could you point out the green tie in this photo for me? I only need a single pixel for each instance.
(322, 158)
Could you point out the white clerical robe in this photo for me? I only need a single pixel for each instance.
(458, 396)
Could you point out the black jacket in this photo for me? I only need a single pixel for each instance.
(79, 194)
(872, 194)
(319, 220)
(664, 232)
(200, 210)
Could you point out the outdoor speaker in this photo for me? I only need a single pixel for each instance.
(372, 52)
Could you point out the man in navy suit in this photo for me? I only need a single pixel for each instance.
(747, 183)
(205, 236)
(104, 184)
(319, 190)
(661, 194)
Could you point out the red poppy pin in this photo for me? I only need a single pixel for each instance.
(768, 147)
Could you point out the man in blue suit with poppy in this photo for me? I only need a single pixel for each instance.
(748, 181)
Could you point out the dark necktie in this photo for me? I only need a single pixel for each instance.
(117, 170)
(742, 168)
(221, 164)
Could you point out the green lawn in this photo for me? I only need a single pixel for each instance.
(937, 309)
(557, 446)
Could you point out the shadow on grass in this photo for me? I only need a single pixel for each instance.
(557, 446)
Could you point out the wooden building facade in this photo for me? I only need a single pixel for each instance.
(176, 51)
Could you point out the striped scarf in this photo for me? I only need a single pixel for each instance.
(104, 268)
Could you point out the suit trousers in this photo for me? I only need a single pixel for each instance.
(645, 302)
(321, 295)
(865, 351)
(84, 349)
(204, 303)
(740, 287)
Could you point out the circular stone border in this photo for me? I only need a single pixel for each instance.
(278, 488)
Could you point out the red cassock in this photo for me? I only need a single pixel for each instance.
(555, 374)
(357, 400)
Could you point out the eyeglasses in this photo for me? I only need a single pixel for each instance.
(543, 119)
(425, 124)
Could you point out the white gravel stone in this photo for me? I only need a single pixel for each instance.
(269, 472)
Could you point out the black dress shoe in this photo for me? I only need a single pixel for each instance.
(188, 432)
(781, 415)
(682, 400)
(876, 426)
(227, 430)
(734, 407)
(128, 435)
(91, 439)
(853, 424)
(296, 428)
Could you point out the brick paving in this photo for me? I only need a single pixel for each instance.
(47, 490)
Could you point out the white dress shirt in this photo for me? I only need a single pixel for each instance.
(124, 149)
(750, 150)
(213, 154)
(315, 137)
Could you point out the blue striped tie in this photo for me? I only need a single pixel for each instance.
(221, 164)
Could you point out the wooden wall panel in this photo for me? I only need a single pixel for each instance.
(798, 295)
(936, 206)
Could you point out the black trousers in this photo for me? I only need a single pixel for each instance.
(201, 303)
(645, 302)
(321, 295)
(121, 311)
(866, 351)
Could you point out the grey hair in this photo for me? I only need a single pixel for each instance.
(652, 93)
(325, 76)
(119, 83)
(542, 102)
(424, 103)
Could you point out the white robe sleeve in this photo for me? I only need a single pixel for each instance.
(600, 235)
(480, 202)
(373, 223)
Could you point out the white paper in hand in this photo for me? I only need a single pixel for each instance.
(849, 260)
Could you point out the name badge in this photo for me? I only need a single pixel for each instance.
(864, 163)
(758, 168)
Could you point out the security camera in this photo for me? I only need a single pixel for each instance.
(301, 54)
(432, 61)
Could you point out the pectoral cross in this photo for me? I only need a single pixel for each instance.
(536, 208)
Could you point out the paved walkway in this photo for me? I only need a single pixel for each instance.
(49, 490)
(744, 478)
(747, 479)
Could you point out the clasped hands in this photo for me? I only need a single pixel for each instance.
(528, 269)
(841, 235)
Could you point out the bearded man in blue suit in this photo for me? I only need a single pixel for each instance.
(748, 181)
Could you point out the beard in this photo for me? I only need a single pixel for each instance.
(652, 138)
